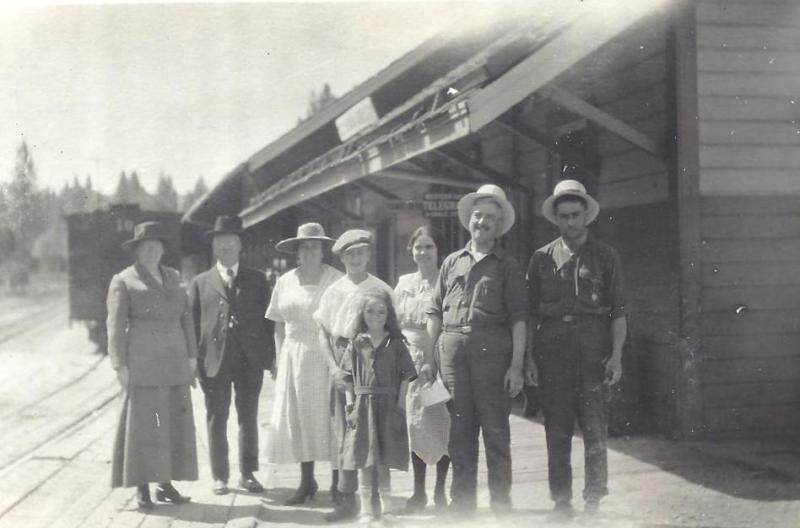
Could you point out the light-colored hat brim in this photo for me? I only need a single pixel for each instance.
(465, 209)
(353, 246)
(592, 207)
(290, 244)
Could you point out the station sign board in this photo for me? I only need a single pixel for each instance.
(441, 205)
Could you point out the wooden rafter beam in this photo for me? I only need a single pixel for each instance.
(537, 136)
(377, 189)
(486, 173)
(421, 177)
(602, 118)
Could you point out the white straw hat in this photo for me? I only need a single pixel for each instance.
(570, 188)
(494, 192)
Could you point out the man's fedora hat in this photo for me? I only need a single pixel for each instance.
(309, 231)
(570, 188)
(466, 203)
(225, 225)
(350, 239)
(146, 231)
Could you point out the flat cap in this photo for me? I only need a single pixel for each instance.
(351, 239)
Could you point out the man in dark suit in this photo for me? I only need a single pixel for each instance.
(234, 347)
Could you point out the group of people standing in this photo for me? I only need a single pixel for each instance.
(353, 357)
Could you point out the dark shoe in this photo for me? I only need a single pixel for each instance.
(220, 487)
(302, 494)
(345, 510)
(143, 501)
(167, 493)
(591, 507)
(562, 512)
(440, 499)
(415, 504)
(249, 483)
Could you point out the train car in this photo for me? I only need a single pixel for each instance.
(95, 255)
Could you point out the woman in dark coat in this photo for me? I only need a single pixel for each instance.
(151, 345)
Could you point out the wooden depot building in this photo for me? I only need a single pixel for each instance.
(680, 117)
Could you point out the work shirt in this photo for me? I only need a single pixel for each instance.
(489, 292)
(585, 283)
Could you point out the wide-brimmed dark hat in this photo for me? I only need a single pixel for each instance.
(352, 239)
(309, 231)
(225, 225)
(146, 231)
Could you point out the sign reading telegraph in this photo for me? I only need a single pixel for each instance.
(441, 205)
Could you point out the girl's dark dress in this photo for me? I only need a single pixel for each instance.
(376, 431)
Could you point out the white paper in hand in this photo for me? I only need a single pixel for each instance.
(433, 393)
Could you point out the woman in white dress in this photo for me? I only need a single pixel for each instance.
(300, 426)
(428, 427)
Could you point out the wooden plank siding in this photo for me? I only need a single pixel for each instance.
(749, 131)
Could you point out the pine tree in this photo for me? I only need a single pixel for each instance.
(123, 193)
(189, 199)
(166, 195)
(25, 213)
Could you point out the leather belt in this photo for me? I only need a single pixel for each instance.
(468, 329)
(575, 318)
(363, 389)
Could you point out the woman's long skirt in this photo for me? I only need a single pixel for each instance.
(155, 439)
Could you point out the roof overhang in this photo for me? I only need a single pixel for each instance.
(566, 35)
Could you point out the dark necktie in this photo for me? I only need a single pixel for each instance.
(229, 290)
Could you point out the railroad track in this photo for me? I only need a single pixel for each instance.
(26, 318)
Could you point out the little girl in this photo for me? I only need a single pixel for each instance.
(376, 440)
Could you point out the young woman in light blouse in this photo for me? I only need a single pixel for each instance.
(428, 427)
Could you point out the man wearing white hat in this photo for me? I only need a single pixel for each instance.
(479, 306)
(578, 317)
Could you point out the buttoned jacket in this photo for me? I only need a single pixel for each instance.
(150, 328)
(220, 315)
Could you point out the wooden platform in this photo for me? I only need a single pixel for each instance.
(58, 407)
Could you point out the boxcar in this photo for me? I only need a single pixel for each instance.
(95, 256)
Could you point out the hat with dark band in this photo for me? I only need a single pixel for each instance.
(309, 231)
(350, 239)
(225, 225)
(146, 231)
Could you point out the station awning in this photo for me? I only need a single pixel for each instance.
(461, 102)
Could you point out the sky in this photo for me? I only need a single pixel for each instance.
(188, 90)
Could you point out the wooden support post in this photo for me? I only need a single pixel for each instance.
(687, 193)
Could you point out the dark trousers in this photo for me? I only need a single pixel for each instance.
(571, 380)
(473, 367)
(234, 373)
